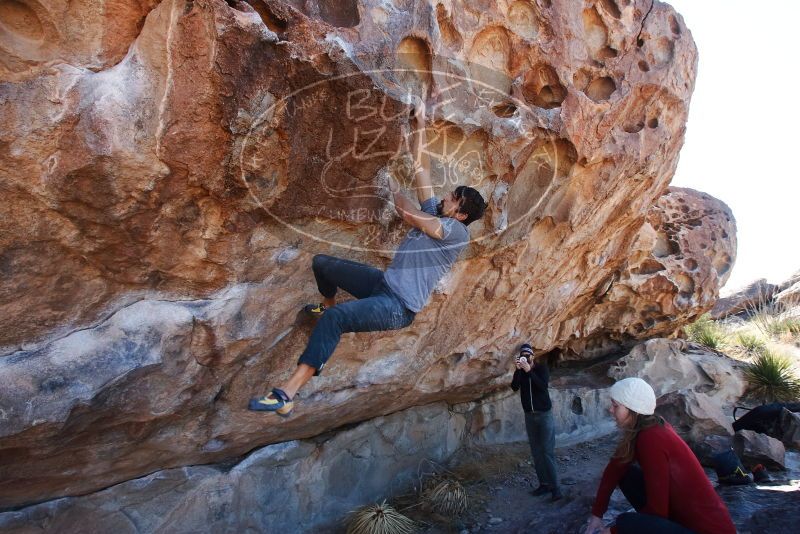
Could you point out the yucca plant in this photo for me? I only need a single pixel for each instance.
(380, 519)
(751, 343)
(706, 332)
(446, 497)
(771, 378)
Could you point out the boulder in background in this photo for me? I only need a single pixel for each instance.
(754, 448)
(670, 365)
(693, 415)
(750, 297)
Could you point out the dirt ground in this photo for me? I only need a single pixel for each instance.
(498, 480)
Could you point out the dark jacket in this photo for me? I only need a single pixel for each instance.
(532, 388)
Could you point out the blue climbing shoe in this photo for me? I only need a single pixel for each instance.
(278, 402)
(315, 310)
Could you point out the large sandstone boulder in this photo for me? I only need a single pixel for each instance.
(746, 299)
(790, 296)
(169, 169)
(793, 280)
(681, 257)
(694, 416)
(671, 365)
(754, 448)
(695, 388)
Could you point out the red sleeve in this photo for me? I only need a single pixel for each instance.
(611, 477)
(655, 465)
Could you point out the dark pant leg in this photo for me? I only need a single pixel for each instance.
(381, 311)
(536, 449)
(547, 438)
(331, 273)
(632, 486)
(636, 523)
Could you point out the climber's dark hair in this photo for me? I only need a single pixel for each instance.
(470, 203)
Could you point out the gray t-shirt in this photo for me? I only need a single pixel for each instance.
(420, 261)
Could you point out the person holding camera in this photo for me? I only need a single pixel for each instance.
(531, 379)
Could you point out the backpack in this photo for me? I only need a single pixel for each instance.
(729, 468)
(764, 419)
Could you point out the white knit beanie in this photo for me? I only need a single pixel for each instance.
(635, 394)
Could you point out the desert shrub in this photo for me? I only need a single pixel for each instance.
(785, 325)
(446, 497)
(750, 343)
(772, 320)
(380, 519)
(707, 332)
(771, 379)
(792, 325)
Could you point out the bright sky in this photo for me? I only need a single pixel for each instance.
(743, 127)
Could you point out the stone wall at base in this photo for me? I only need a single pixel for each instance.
(300, 485)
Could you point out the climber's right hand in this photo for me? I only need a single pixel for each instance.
(594, 525)
(394, 186)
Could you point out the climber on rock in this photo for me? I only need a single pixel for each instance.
(385, 300)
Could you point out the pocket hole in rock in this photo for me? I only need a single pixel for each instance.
(577, 406)
(505, 110)
(674, 25)
(272, 21)
(601, 89)
(633, 127)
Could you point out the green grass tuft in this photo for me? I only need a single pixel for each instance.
(707, 332)
(750, 343)
(793, 325)
(771, 378)
(773, 321)
(785, 325)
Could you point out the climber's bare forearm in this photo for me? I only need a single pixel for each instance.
(422, 161)
(422, 166)
(417, 218)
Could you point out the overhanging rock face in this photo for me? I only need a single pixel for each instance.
(168, 176)
(682, 255)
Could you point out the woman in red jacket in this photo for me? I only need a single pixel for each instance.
(668, 488)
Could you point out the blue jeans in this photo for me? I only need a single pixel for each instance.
(542, 439)
(376, 309)
(632, 486)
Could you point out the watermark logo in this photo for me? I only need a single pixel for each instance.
(324, 152)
